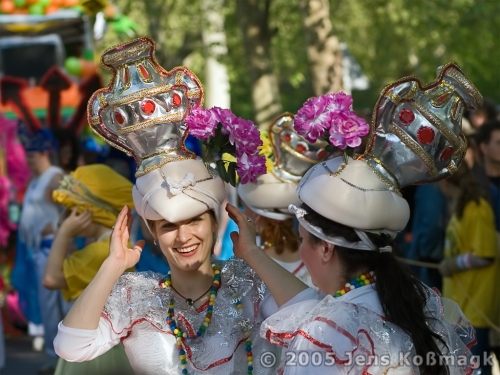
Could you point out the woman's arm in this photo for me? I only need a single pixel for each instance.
(281, 283)
(70, 227)
(86, 311)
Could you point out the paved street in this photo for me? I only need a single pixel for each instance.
(21, 359)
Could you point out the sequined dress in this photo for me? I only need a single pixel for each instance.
(136, 311)
(350, 335)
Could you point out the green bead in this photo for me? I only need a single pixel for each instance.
(183, 361)
(248, 343)
(203, 328)
(179, 334)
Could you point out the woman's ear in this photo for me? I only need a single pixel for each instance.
(327, 251)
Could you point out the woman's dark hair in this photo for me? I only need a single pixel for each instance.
(279, 234)
(470, 191)
(402, 296)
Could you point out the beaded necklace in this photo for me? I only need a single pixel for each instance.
(362, 280)
(181, 336)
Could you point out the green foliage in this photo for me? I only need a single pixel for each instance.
(392, 39)
(389, 39)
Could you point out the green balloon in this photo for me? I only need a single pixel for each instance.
(20, 3)
(44, 3)
(73, 66)
(36, 9)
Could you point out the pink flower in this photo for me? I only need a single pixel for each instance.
(225, 117)
(249, 167)
(201, 123)
(347, 129)
(313, 119)
(339, 102)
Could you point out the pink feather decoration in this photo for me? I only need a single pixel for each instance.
(17, 173)
(5, 224)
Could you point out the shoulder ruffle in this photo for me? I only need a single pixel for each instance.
(348, 331)
(137, 297)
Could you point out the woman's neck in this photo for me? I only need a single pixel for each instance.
(287, 255)
(192, 284)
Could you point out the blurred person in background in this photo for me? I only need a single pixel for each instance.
(487, 112)
(488, 138)
(471, 266)
(92, 195)
(37, 226)
(428, 228)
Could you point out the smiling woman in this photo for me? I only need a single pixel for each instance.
(203, 317)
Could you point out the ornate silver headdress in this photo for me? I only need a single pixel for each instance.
(141, 96)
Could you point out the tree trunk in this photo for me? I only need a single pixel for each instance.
(323, 47)
(253, 19)
(216, 82)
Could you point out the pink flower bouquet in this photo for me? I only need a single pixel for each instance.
(332, 118)
(222, 132)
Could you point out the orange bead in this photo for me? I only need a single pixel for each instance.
(7, 6)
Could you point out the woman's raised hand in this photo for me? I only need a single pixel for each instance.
(245, 241)
(119, 250)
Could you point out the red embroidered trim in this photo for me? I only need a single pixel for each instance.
(298, 268)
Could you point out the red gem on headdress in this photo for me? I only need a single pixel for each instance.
(301, 148)
(287, 137)
(144, 71)
(443, 98)
(448, 151)
(321, 154)
(148, 106)
(176, 99)
(406, 116)
(125, 75)
(119, 118)
(425, 135)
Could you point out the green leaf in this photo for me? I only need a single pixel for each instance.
(229, 148)
(221, 168)
(330, 148)
(232, 173)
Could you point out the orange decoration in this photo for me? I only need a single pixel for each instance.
(70, 3)
(56, 3)
(7, 6)
(110, 11)
(88, 68)
(51, 9)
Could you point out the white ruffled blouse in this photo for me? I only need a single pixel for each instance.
(135, 315)
(350, 335)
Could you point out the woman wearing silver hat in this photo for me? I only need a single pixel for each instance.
(204, 316)
(288, 157)
(376, 317)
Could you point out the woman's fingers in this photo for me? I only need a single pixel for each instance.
(235, 214)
